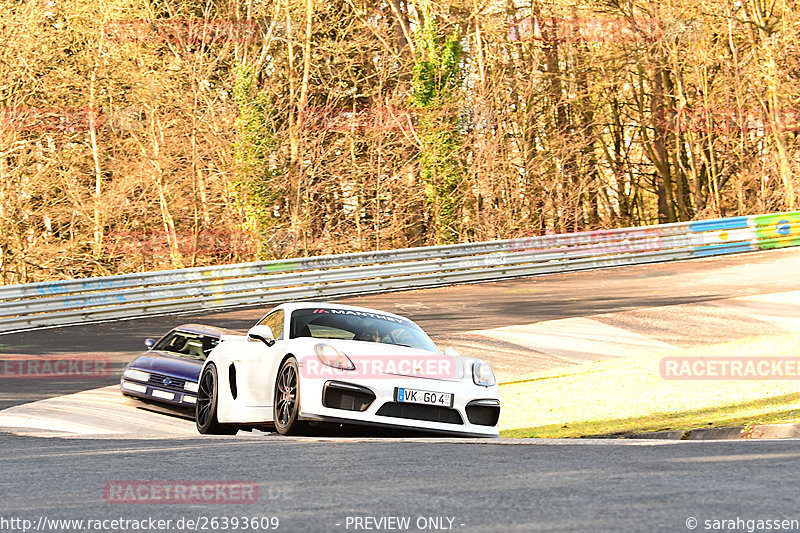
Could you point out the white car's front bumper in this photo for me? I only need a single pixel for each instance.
(475, 410)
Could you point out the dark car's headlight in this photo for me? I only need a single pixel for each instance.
(191, 386)
(482, 374)
(138, 375)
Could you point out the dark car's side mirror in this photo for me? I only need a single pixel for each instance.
(149, 343)
(261, 333)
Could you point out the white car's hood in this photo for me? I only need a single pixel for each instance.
(390, 359)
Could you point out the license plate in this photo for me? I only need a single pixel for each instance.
(164, 395)
(444, 399)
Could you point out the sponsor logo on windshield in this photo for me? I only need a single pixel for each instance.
(362, 314)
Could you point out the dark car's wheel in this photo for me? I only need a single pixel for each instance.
(286, 406)
(205, 413)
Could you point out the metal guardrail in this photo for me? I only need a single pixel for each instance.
(75, 301)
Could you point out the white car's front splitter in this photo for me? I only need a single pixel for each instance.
(338, 399)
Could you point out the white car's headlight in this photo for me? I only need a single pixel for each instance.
(191, 386)
(482, 374)
(138, 375)
(330, 356)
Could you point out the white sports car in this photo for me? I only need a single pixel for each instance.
(320, 362)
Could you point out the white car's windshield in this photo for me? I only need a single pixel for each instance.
(348, 324)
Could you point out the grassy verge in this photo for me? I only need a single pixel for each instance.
(629, 395)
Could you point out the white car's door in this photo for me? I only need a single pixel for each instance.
(257, 374)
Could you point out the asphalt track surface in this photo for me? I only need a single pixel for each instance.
(317, 484)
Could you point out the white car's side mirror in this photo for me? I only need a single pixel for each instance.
(451, 352)
(261, 333)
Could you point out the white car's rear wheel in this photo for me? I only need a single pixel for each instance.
(205, 413)
(286, 406)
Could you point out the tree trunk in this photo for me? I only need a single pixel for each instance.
(660, 121)
(158, 177)
(97, 233)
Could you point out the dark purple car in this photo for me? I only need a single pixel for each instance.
(169, 371)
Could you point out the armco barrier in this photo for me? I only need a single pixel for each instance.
(75, 301)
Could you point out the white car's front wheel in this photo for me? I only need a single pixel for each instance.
(286, 406)
(206, 407)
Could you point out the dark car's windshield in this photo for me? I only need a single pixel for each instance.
(187, 345)
(327, 323)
